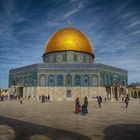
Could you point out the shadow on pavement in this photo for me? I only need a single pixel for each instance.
(122, 132)
(23, 130)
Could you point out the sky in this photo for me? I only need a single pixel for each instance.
(112, 26)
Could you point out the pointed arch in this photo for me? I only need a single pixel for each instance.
(68, 80)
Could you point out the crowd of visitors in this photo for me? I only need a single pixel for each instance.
(83, 110)
(79, 109)
(44, 98)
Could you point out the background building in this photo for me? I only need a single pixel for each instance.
(68, 71)
(134, 90)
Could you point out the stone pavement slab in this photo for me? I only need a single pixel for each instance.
(56, 121)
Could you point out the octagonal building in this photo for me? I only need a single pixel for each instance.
(68, 71)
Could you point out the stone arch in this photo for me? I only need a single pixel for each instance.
(101, 80)
(121, 92)
(17, 80)
(42, 80)
(106, 80)
(21, 80)
(30, 80)
(60, 80)
(94, 80)
(68, 80)
(111, 80)
(86, 80)
(135, 94)
(77, 80)
(26, 80)
(51, 80)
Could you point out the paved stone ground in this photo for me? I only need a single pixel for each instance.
(33, 120)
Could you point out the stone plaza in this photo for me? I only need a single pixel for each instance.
(56, 120)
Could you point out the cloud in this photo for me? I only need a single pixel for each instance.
(113, 28)
(74, 10)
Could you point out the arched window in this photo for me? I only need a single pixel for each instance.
(51, 80)
(26, 80)
(30, 80)
(106, 80)
(42, 81)
(68, 80)
(94, 81)
(77, 80)
(64, 57)
(21, 80)
(111, 80)
(135, 94)
(123, 83)
(17, 81)
(86, 81)
(60, 80)
(75, 57)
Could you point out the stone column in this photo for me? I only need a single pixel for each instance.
(111, 93)
(117, 93)
(98, 79)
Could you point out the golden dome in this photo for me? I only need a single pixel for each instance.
(68, 39)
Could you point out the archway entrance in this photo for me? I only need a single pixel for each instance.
(121, 92)
(135, 94)
(69, 94)
(20, 92)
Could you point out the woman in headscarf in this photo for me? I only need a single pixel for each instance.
(77, 106)
(85, 106)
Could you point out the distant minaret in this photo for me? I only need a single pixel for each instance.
(69, 24)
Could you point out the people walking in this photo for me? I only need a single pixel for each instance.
(77, 106)
(85, 106)
(43, 99)
(126, 101)
(1, 97)
(99, 100)
(48, 98)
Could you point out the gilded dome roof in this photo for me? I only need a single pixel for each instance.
(68, 39)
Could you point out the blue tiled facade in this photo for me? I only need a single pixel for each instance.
(68, 71)
(45, 74)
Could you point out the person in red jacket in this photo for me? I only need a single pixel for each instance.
(77, 106)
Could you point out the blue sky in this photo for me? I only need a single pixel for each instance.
(113, 27)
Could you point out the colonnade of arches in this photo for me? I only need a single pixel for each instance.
(106, 80)
(135, 94)
(68, 80)
(116, 92)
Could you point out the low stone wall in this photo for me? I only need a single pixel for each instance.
(64, 93)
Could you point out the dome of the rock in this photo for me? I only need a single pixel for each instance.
(68, 39)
